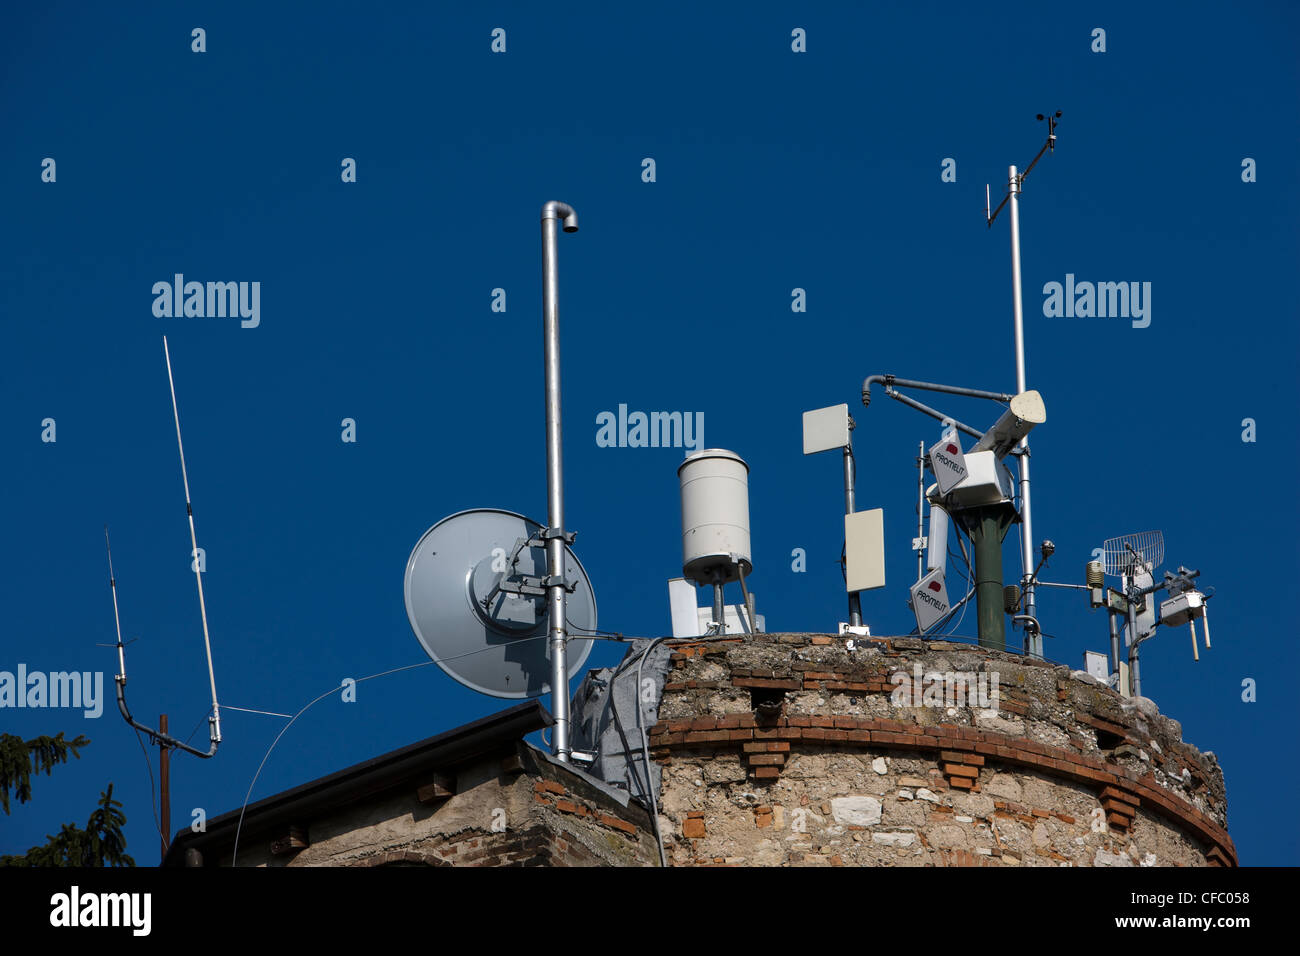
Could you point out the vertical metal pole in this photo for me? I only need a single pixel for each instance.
(1134, 680)
(749, 601)
(850, 476)
(552, 212)
(1114, 640)
(719, 607)
(165, 786)
(1033, 640)
(920, 511)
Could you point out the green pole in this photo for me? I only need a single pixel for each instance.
(988, 526)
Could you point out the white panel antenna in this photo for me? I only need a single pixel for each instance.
(826, 429)
(864, 550)
(1098, 665)
(685, 612)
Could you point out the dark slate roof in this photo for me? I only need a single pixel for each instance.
(366, 780)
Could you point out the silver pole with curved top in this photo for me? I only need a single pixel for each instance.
(552, 213)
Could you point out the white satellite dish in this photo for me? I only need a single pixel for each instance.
(476, 600)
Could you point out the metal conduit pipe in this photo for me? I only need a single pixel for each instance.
(553, 212)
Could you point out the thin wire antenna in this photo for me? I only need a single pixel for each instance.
(194, 553)
(117, 618)
(159, 737)
(155, 736)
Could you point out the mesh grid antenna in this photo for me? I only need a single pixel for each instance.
(1126, 552)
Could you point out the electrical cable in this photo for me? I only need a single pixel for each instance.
(594, 632)
(645, 747)
(965, 605)
(340, 687)
(647, 785)
(249, 710)
(969, 573)
(333, 690)
(152, 785)
(234, 856)
(201, 722)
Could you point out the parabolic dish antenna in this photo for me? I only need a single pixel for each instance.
(1130, 552)
(1133, 558)
(469, 597)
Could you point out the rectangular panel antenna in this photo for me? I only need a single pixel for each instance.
(825, 429)
(864, 550)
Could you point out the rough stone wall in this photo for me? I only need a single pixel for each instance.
(794, 750)
(539, 816)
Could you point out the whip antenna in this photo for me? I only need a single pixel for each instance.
(194, 553)
(161, 737)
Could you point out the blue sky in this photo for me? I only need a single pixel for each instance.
(775, 170)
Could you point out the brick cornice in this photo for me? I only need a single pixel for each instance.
(732, 732)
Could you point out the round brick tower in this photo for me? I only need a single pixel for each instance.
(796, 749)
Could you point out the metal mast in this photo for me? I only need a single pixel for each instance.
(850, 476)
(554, 534)
(1033, 637)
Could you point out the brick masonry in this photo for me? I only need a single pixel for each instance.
(537, 815)
(831, 770)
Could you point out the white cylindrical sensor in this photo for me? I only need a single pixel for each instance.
(937, 555)
(715, 516)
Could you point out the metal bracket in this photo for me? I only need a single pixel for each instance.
(548, 534)
(528, 585)
(534, 586)
(524, 585)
